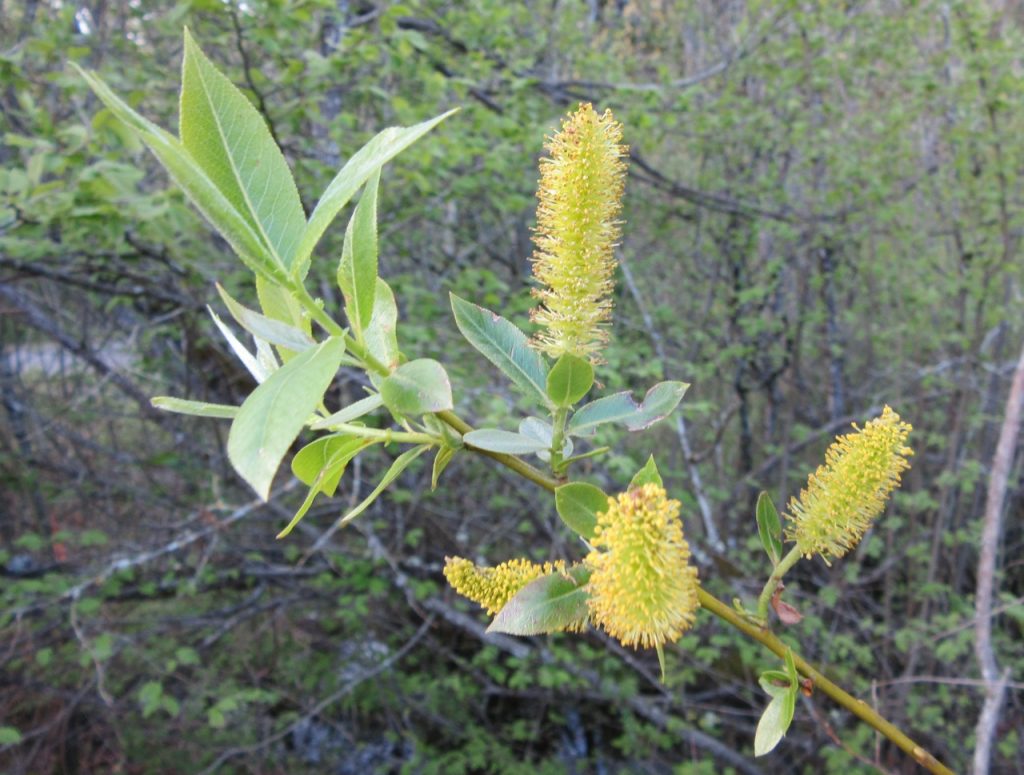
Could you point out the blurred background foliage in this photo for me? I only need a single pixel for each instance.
(823, 215)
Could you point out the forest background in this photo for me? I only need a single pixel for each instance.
(822, 216)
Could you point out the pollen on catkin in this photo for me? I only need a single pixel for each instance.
(643, 589)
(494, 587)
(580, 197)
(850, 490)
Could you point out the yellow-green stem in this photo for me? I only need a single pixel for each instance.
(385, 435)
(784, 565)
(558, 439)
(763, 636)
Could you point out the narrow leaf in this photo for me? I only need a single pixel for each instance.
(494, 440)
(332, 471)
(504, 345)
(275, 412)
(194, 408)
(769, 527)
(268, 329)
(772, 726)
(230, 141)
(621, 408)
(550, 603)
(578, 504)
(441, 460)
(357, 270)
(417, 387)
(203, 192)
(259, 369)
(402, 462)
(366, 161)
(381, 335)
(310, 461)
(354, 411)
(649, 474)
(569, 380)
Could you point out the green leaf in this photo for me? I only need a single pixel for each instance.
(9, 736)
(775, 682)
(366, 161)
(538, 429)
(417, 387)
(332, 471)
(381, 335)
(621, 408)
(260, 368)
(203, 192)
(441, 460)
(504, 345)
(317, 455)
(550, 603)
(647, 475)
(353, 411)
(569, 380)
(578, 504)
(275, 412)
(769, 528)
(357, 270)
(150, 696)
(494, 440)
(402, 462)
(194, 408)
(794, 676)
(267, 329)
(230, 141)
(772, 726)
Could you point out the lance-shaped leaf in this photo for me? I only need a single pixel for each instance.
(204, 193)
(194, 408)
(275, 412)
(769, 527)
(504, 345)
(495, 440)
(357, 270)
(551, 603)
(332, 471)
(381, 336)
(310, 461)
(402, 462)
(268, 329)
(230, 141)
(578, 504)
(259, 367)
(353, 411)
(649, 474)
(441, 460)
(417, 387)
(621, 408)
(366, 161)
(777, 717)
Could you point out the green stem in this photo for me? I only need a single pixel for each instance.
(558, 439)
(521, 467)
(774, 580)
(857, 707)
(763, 636)
(385, 435)
(316, 312)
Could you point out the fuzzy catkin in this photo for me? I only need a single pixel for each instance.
(643, 589)
(845, 495)
(580, 197)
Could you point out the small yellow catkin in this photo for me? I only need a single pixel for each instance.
(494, 587)
(580, 197)
(643, 590)
(846, 494)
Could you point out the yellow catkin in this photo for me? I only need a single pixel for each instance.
(580, 197)
(643, 590)
(850, 490)
(494, 587)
